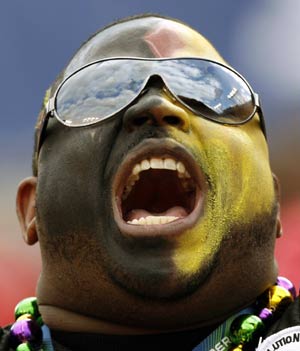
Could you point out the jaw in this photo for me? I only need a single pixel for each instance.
(158, 191)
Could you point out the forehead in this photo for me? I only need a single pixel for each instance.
(144, 37)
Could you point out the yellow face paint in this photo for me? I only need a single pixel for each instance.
(241, 185)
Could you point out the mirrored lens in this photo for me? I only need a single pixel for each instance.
(98, 91)
(210, 89)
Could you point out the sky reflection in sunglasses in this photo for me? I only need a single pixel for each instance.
(102, 89)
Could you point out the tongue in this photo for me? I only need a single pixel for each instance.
(176, 211)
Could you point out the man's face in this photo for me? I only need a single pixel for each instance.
(155, 204)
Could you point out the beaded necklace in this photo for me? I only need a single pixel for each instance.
(239, 333)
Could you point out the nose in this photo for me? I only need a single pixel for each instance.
(157, 108)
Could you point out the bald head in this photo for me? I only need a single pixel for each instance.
(148, 36)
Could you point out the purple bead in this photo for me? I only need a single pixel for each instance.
(288, 285)
(265, 314)
(26, 330)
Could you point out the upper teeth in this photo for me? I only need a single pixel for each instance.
(150, 220)
(154, 163)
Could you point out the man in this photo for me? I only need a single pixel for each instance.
(152, 200)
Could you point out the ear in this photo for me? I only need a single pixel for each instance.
(26, 209)
(277, 192)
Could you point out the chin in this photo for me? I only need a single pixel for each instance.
(156, 277)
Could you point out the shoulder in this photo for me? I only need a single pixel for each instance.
(290, 318)
(4, 333)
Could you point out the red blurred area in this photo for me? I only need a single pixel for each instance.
(288, 246)
(19, 276)
(18, 280)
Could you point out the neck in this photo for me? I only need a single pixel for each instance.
(58, 318)
(62, 319)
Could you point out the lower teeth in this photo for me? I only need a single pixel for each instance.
(150, 220)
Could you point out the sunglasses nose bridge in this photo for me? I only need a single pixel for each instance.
(154, 80)
(157, 81)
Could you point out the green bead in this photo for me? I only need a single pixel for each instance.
(24, 347)
(40, 321)
(27, 306)
(246, 328)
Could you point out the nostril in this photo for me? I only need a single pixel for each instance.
(172, 120)
(140, 120)
(156, 111)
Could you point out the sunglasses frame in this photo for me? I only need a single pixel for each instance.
(50, 108)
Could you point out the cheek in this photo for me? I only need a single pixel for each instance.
(67, 201)
(235, 162)
(71, 186)
(240, 188)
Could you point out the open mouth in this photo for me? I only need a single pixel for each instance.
(157, 190)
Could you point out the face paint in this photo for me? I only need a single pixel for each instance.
(233, 160)
(172, 39)
(159, 37)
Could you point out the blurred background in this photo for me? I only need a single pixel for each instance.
(259, 38)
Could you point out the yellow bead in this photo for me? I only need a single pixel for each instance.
(279, 297)
(25, 316)
(237, 348)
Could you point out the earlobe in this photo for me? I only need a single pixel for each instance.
(276, 186)
(26, 209)
(277, 191)
(278, 228)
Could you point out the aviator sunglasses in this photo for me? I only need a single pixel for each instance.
(101, 89)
